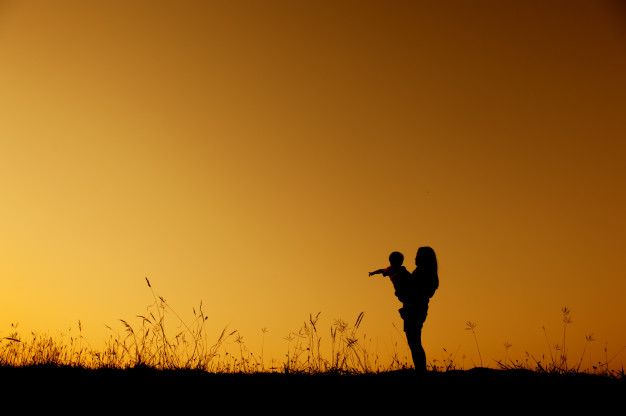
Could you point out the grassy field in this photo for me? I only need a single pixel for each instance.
(147, 367)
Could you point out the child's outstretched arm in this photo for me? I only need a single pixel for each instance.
(379, 271)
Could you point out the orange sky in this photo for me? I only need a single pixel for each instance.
(264, 156)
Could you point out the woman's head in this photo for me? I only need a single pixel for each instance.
(426, 259)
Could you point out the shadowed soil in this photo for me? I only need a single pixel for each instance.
(77, 390)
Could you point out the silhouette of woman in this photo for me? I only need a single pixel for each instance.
(424, 282)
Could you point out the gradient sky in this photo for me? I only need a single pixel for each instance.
(264, 156)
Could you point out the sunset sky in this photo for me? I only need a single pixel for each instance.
(263, 156)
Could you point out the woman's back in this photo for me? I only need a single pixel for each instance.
(425, 276)
(425, 282)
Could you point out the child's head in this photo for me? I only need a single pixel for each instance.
(396, 258)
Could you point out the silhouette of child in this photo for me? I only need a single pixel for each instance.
(398, 274)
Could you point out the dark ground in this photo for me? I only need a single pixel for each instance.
(74, 390)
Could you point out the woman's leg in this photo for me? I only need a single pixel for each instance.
(414, 319)
(414, 338)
